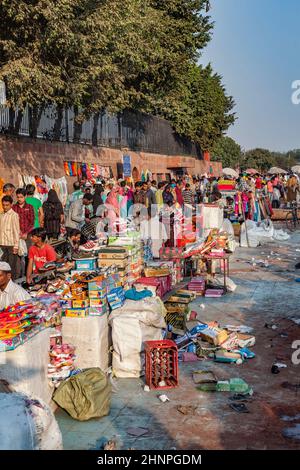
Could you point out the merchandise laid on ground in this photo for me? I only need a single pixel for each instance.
(112, 322)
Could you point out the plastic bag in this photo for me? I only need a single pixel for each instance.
(85, 395)
(22, 248)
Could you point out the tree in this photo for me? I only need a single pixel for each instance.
(260, 159)
(228, 152)
(112, 54)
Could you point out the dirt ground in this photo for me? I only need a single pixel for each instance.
(264, 296)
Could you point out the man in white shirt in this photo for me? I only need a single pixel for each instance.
(10, 292)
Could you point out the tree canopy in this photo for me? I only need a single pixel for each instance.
(260, 159)
(228, 152)
(112, 54)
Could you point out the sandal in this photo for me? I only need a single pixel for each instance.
(239, 407)
(240, 397)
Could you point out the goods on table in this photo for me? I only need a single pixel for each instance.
(20, 322)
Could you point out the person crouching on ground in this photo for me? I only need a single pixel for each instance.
(39, 254)
(10, 292)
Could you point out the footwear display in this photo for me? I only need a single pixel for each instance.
(89, 246)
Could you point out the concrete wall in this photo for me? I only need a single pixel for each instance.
(30, 157)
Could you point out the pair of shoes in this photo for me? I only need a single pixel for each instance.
(89, 246)
(66, 267)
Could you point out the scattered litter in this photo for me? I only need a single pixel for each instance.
(292, 433)
(240, 397)
(204, 376)
(186, 409)
(202, 306)
(188, 357)
(271, 327)
(232, 385)
(163, 398)
(280, 365)
(110, 445)
(290, 386)
(239, 407)
(240, 328)
(275, 370)
(295, 320)
(137, 432)
(146, 388)
(290, 418)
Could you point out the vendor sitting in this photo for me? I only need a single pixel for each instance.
(39, 254)
(10, 292)
(73, 243)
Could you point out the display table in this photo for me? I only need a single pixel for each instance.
(26, 367)
(91, 338)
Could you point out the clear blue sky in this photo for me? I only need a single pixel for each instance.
(256, 48)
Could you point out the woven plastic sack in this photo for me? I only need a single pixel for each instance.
(85, 395)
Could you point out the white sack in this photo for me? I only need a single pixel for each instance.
(27, 424)
(26, 367)
(91, 338)
(132, 325)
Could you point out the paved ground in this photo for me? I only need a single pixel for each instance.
(264, 295)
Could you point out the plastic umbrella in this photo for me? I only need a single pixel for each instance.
(252, 171)
(296, 169)
(230, 172)
(277, 171)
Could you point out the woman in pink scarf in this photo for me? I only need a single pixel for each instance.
(113, 208)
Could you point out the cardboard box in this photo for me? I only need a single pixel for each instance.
(76, 312)
(97, 294)
(80, 303)
(98, 311)
(214, 336)
(98, 302)
(88, 264)
(65, 303)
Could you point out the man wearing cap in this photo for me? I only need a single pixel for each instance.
(10, 292)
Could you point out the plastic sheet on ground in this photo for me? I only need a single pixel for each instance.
(258, 234)
(26, 367)
(91, 338)
(27, 424)
(132, 325)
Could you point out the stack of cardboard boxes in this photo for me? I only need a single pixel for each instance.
(125, 253)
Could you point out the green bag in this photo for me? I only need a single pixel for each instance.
(85, 395)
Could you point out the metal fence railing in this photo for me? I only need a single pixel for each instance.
(129, 129)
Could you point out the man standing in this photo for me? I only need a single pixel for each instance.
(7, 190)
(36, 204)
(10, 292)
(154, 186)
(178, 191)
(76, 216)
(26, 214)
(10, 235)
(150, 198)
(77, 194)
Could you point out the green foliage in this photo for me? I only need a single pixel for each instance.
(112, 54)
(260, 159)
(228, 152)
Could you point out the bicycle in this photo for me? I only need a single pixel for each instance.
(291, 219)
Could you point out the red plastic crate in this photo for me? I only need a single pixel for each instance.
(161, 364)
